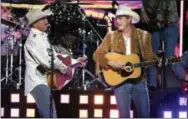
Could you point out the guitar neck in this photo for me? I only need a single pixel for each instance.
(156, 62)
(77, 64)
(147, 63)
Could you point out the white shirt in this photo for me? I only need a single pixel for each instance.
(37, 44)
(127, 41)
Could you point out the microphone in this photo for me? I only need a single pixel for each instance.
(49, 25)
(48, 31)
(23, 22)
(102, 25)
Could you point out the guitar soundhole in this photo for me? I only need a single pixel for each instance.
(128, 71)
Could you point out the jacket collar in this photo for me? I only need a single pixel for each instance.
(38, 32)
(118, 36)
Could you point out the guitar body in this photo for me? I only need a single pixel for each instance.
(59, 79)
(114, 77)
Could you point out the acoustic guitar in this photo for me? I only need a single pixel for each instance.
(60, 79)
(115, 77)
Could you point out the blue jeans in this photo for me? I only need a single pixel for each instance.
(138, 93)
(152, 76)
(170, 36)
(179, 68)
(41, 94)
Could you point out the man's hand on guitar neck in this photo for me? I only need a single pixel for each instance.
(82, 60)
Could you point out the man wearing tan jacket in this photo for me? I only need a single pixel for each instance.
(127, 40)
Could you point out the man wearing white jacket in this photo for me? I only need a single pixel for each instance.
(37, 52)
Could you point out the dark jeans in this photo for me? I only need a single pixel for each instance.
(138, 93)
(170, 36)
(41, 94)
(179, 67)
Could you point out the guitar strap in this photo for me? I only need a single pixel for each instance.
(141, 45)
(31, 55)
(111, 41)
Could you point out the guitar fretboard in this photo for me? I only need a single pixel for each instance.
(147, 63)
(77, 64)
(155, 62)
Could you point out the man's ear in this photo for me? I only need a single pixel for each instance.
(130, 19)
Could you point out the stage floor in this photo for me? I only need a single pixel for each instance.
(91, 103)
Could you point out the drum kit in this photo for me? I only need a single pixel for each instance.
(70, 13)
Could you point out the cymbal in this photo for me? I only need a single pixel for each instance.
(8, 23)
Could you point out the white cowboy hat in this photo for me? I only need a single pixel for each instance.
(125, 10)
(35, 14)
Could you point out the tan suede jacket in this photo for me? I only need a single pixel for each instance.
(114, 42)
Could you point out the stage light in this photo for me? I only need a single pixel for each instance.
(183, 101)
(2, 112)
(98, 113)
(65, 98)
(83, 113)
(15, 98)
(30, 99)
(114, 113)
(113, 100)
(30, 113)
(14, 112)
(131, 114)
(167, 114)
(83, 99)
(183, 114)
(98, 99)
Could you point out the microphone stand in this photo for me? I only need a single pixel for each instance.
(84, 47)
(160, 24)
(10, 40)
(95, 79)
(7, 60)
(51, 54)
(85, 19)
(22, 24)
(51, 79)
(9, 54)
(20, 63)
(162, 50)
